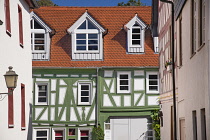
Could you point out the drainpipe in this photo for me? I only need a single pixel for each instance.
(173, 67)
(96, 97)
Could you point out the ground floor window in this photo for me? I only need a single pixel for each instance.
(41, 134)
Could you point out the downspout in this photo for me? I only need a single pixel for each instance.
(96, 97)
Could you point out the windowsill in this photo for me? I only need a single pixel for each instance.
(201, 46)
(124, 93)
(87, 52)
(21, 45)
(152, 92)
(135, 52)
(8, 32)
(192, 55)
(84, 104)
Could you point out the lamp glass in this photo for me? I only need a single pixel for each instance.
(11, 81)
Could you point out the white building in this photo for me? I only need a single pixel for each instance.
(15, 52)
(192, 68)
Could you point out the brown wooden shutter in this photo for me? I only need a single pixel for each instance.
(10, 110)
(23, 121)
(7, 16)
(20, 25)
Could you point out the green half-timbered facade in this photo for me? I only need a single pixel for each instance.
(95, 73)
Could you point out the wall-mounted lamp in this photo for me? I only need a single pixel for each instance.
(11, 80)
(1, 22)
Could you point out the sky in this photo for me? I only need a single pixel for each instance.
(94, 2)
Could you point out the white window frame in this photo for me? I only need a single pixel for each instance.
(73, 31)
(128, 27)
(79, 93)
(81, 129)
(59, 129)
(118, 82)
(147, 82)
(37, 94)
(88, 31)
(46, 31)
(41, 129)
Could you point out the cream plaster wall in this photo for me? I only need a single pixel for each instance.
(192, 78)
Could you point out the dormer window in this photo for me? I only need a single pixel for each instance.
(87, 41)
(135, 35)
(40, 38)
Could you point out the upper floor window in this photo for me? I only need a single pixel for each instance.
(40, 38)
(123, 82)
(20, 26)
(152, 81)
(41, 94)
(87, 41)
(135, 35)
(7, 16)
(58, 134)
(84, 93)
(41, 134)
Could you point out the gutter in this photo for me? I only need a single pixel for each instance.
(103, 67)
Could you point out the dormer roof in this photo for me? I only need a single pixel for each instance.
(111, 19)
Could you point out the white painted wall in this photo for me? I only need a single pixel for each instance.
(12, 54)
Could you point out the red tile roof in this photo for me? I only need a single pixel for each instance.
(111, 18)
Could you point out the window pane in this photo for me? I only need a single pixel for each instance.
(136, 24)
(44, 99)
(124, 76)
(71, 132)
(84, 87)
(92, 47)
(136, 36)
(153, 82)
(153, 77)
(41, 133)
(92, 36)
(84, 93)
(123, 87)
(84, 133)
(136, 30)
(81, 47)
(90, 25)
(92, 41)
(123, 82)
(81, 36)
(85, 138)
(59, 138)
(83, 25)
(42, 94)
(58, 133)
(84, 99)
(81, 41)
(42, 87)
(39, 47)
(39, 35)
(36, 25)
(136, 42)
(39, 41)
(153, 88)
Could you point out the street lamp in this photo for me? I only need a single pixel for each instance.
(11, 80)
(173, 66)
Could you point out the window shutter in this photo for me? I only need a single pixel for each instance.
(10, 110)
(23, 123)
(7, 16)
(20, 25)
